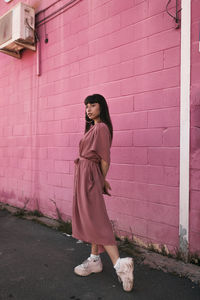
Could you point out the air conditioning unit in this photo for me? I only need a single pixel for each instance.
(17, 30)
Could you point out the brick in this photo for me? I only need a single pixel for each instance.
(139, 155)
(99, 14)
(163, 194)
(69, 42)
(163, 233)
(171, 137)
(121, 37)
(149, 174)
(134, 49)
(46, 115)
(195, 11)
(54, 49)
(195, 200)
(69, 111)
(135, 14)
(79, 24)
(195, 111)
(108, 58)
(165, 214)
(25, 163)
(130, 121)
(157, 6)
(129, 155)
(195, 179)
(64, 153)
(148, 26)
(83, 52)
(148, 137)
(71, 125)
(119, 156)
(151, 81)
(171, 176)
(54, 179)
(163, 156)
(194, 241)
(161, 79)
(168, 117)
(195, 221)
(121, 172)
(74, 139)
(105, 27)
(157, 99)
(195, 159)
(42, 128)
(121, 105)
(61, 166)
(195, 32)
(195, 138)
(163, 40)
(63, 193)
(128, 206)
(88, 64)
(21, 130)
(116, 72)
(135, 225)
(111, 89)
(122, 138)
(149, 63)
(95, 3)
(120, 6)
(67, 180)
(172, 57)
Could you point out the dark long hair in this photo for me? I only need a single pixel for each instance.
(104, 112)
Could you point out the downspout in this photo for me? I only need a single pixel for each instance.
(184, 128)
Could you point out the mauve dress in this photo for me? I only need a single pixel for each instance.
(90, 222)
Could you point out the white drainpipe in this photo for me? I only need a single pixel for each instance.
(184, 127)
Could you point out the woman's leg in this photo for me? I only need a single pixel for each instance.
(94, 249)
(113, 252)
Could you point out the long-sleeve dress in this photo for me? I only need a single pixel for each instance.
(90, 222)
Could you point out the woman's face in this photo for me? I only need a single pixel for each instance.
(93, 111)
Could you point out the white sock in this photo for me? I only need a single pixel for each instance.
(117, 265)
(94, 257)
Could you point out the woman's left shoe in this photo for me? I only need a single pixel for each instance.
(125, 273)
(89, 266)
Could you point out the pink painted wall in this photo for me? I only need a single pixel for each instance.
(195, 131)
(130, 52)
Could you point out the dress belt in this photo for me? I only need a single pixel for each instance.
(76, 161)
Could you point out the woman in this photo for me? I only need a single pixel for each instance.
(90, 222)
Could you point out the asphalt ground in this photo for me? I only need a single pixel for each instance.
(36, 263)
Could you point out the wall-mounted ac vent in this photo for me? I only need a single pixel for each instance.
(17, 30)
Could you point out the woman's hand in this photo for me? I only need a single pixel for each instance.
(107, 187)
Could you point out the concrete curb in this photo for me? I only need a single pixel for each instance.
(142, 255)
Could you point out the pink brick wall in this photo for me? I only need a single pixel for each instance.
(130, 52)
(195, 131)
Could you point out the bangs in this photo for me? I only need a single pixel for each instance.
(91, 99)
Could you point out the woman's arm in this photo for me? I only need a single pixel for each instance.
(104, 169)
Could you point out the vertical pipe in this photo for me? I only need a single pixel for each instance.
(184, 128)
(38, 57)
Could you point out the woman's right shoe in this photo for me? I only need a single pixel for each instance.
(125, 273)
(88, 267)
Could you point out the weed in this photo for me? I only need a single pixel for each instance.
(65, 227)
(20, 213)
(194, 258)
(35, 213)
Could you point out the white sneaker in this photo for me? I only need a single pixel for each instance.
(89, 266)
(125, 273)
